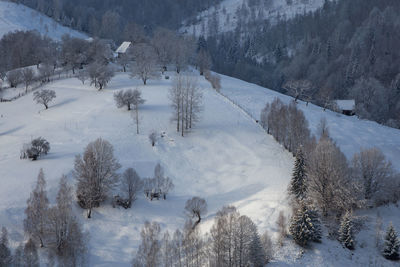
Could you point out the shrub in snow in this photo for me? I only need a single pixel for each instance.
(44, 97)
(305, 225)
(153, 138)
(392, 244)
(158, 186)
(35, 149)
(346, 236)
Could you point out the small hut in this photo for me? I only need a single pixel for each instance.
(346, 107)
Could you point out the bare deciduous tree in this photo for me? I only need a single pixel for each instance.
(64, 234)
(137, 100)
(186, 99)
(35, 223)
(149, 252)
(195, 208)
(124, 98)
(203, 61)
(282, 227)
(145, 63)
(100, 74)
(376, 173)
(44, 97)
(82, 76)
(14, 77)
(95, 173)
(130, 185)
(330, 185)
(28, 76)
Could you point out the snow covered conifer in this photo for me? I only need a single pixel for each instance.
(298, 184)
(346, 236)
(392, 244)
(257, 254)
(304, 225)
(36, 211)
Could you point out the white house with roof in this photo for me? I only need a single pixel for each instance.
(123, 48)
(346, 107)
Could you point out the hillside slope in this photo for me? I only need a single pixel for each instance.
(15, 17)
(227, 159)
(230, 12)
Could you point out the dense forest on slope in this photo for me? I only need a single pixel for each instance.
(109, 19)
(347, 49)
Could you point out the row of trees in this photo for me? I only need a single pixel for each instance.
(186, 98)
(54, 227)
(232, 241)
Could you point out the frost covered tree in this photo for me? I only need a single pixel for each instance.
(137, 100)
(64, 236)
(392, 244)
(28, 76)
(14, 77)
(124, 98)
(35, 222)
(195, 208)
(35, 149)
(96, 174)
(162, 42)
(44, 97)
(131, 184)
(267, 246)
(298, 183)
(145, 63)
(330, 185)
(100, 74)
(281, 223)
(82, 76)
(30, 254)
(149, 251)
(375, 173)
(346, 234)
(186, 98)
(5, 253)
(18, 258)
(304, 226)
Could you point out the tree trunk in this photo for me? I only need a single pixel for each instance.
(89, 213)
(137, 119)
(45, 105)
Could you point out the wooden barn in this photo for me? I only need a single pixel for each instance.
(346, 107)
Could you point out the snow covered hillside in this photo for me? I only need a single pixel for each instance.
(15, 17)
(227, 159)
(229, 12)
(350, 133)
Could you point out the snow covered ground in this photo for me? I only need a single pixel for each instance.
(15, 17)
(350, 133)
(227, 159)
(271, 10)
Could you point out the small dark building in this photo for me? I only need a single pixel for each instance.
(346, 107)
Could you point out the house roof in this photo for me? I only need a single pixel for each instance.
(123, 47)
(346, 104)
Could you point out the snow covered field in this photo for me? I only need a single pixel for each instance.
(15, 17)
(226, 159)
(350, 133)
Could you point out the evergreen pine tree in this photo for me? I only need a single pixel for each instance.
(392, 244)
(298, 184)
(346, 236)
(257, 255)
(305, 226)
